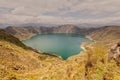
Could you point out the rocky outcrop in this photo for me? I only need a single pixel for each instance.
(26, 32)
(115, 53)
(110, 36)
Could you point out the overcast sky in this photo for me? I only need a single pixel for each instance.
(60, 11)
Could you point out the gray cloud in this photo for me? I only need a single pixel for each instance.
(60, 11)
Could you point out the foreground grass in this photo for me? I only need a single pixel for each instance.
(98, 67)
(20, 64)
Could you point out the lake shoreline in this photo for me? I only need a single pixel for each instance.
(72, 37)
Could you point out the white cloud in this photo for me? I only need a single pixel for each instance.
(38, 11)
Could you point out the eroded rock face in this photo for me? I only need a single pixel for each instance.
(115, 53)
(24, 33)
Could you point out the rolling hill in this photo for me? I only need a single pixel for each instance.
(106, 33)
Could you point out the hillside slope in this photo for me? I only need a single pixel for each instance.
(22, 32)
(107, 33)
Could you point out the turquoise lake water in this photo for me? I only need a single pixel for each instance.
(64, 45)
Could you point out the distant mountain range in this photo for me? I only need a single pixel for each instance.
(95, 33)
(81, 25)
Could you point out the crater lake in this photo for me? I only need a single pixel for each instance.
(64, 45)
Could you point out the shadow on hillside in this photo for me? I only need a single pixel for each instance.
(9, 38)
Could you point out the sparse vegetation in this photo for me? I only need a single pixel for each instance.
(97, 66)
